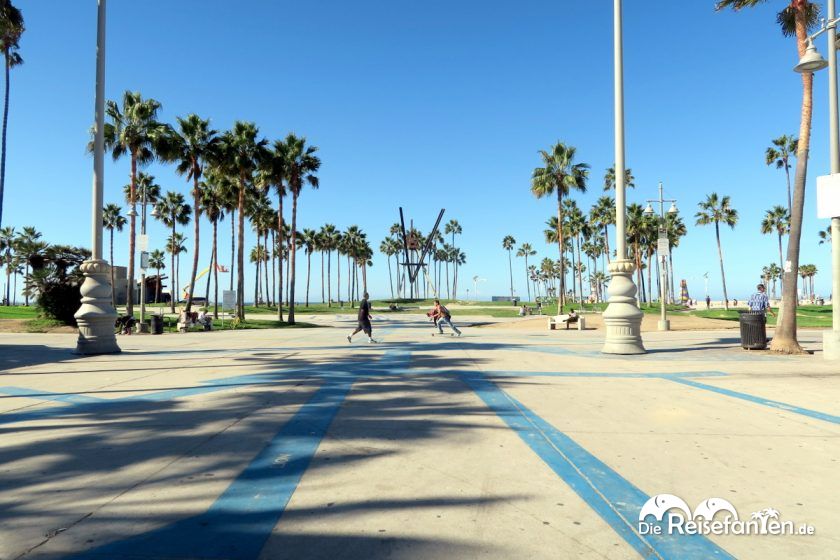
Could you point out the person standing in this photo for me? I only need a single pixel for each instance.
(364, 320)
(441, 313)
(759, 302)
(708, 302)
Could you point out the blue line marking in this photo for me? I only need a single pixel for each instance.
(241, 519)
(758, 400)
(615, 499)
(48, 396)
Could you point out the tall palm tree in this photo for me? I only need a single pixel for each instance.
(7, 247)
(11, 29)
(602, 215)
(453, 228)
(242, 152)
(609, 178)
(28, 244)
(213, 205)
(272, 175)
(157, 260)
(676, 230)
(525, 250)
(309, 238)
(330, 237)
(387, 248)
(301, 164)
(132, 129)
(508, 244)
(190, 145)
(774, 272)
(797, 18)
(173, 210)
(784, 147)
(560, 175)
(717, 210)
(112, 219)
(777, 220)
(175, 244)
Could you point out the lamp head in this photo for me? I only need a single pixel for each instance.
(673, 208)
(811, 61)
(155, 213)
(649, 209)
(132, 212)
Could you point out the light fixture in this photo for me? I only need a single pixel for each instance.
(155, 213)
(811, 61)
(673, 208)
(132, 212)
(649, 209)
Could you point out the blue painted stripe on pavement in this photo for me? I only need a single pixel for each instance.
(241, 519)
(614, 498)
(48, 395)
(507, 373)
(759, 400)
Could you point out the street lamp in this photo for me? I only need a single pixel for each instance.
(622, 318)
(663, 249)
(810, 62)
(96, 316)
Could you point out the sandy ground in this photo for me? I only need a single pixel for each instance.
(19, 326)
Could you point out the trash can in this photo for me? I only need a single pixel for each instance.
(753, 330)
(157, 324)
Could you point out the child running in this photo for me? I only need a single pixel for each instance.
(442, 315)
(364, 320)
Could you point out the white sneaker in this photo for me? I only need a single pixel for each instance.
(371, 341)
(349, 339)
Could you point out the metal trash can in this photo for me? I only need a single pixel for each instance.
(157, 324)
(753, 330)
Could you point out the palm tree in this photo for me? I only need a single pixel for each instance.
(508, 244)
(637, 225)
(213, 205)
(784, 147)
(776, 220)
(609, 178)
(7, 246)
(453, 228)
(190, 146)
(560, 176)
(301, 164)
(602, 215)
(157, 260)
(145, 183)
(797, 18)
(11, 29)
(173, 210)
(775, 272)
(309, 238)
(273, 174)
(825, 236)
(676, 230)
(242, 152)
(387, 248)
(525, 250)
(132, 130)
(112, 219)
(175, 244)
(330, 238)
(28, 244)
(718, 210)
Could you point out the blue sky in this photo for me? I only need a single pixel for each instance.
(429, 105)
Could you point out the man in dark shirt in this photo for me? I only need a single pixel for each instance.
(364, 320)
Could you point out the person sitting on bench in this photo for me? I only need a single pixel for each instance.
(572, 317)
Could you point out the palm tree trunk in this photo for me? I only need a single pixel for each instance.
(293, 259)
(215, 271)
(240, 256)
(649, 282)
(390, 278)
(132, 219)
(561, 299)
(173, 289)
(338, 275)
(308, 274)
(113, 296)
(722, 273)
(196, 225)
(157, 288)
(579, 271)
(266, 264)
(785, 340)
(232, 246)
(329, 278)
(3, 147)
(527, 279)
(787, 175)
(781, 263)
(273, 267)
(510, 271)
(280, 258)
(322, 276)
(607, 243)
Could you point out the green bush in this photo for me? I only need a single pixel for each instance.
(60, 301)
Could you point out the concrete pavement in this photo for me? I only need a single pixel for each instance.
(500, 444)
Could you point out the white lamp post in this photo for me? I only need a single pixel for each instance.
(812, 61)
(623, 318)
(97, 315)
(663, 248)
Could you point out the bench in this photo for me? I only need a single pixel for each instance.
(566, 320)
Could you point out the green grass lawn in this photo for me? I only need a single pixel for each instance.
(170, 324)
(806, 315)
(18, 312)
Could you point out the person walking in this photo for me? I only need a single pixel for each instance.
(364, 320)
(441, 313)
(708, 302)
(759, 302)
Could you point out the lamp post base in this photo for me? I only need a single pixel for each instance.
(623, 318)
(664, 325)
(831, 345)
(96, 316)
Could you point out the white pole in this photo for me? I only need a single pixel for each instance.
(831, 340)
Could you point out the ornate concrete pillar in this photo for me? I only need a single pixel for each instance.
(622, 318)
(96, 316)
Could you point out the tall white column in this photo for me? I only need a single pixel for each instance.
(623, 318)
(97, 315)
(831, 339)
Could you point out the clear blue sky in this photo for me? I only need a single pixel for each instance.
(429, 105)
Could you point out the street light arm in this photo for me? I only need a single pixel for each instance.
(825, 26)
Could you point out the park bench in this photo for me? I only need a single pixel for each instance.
(566, 320)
